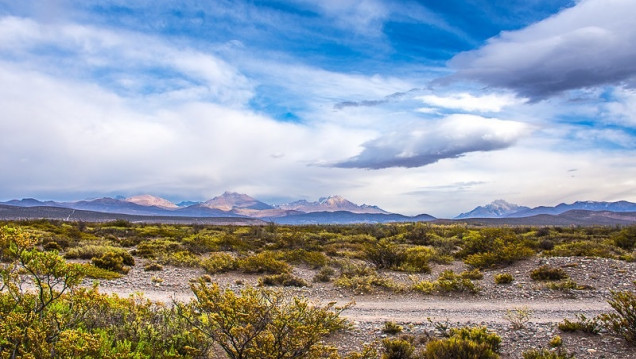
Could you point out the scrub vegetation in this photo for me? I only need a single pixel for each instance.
(46, 313)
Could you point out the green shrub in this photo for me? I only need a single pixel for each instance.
(114, 261)
(546, 273)
(504, 278)
(500, 256)
(583, 248)
(385, 254)
(219, 262)
(464, 343)
(180, 259)
(324, 275)
(152, 267)
(567, 285)
(546, 354)
(392, 328)
(157, 248)
(474, 274)
(448, 281)
(260, 323)
(301, 256)
(518, 317)
(89, 251)
(556, 341)
(91, 271)
(397, 349)
(626, 238)
(264, 262)
(417, 259)
(623, 321)
(284, 279)
(583, 324)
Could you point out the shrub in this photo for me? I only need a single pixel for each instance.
(180, 259)
(284, 279)
(397, 349)
(392, 328)
(417, 259)
(583, 248)
(324, 275)
(385, 254)
(504, 278)
(113, 261)
(219, 262)
(153, 267)
(567, 285)
(626, 238)
(500, 256)
(623, 321)
(546, 272)
(583, 324)
(546, 354)
(518, 317)
(89, 251)
(447, 282)
(361, 278)
(260, 323)
(311, 258)
(157, 248)
(474, 274)
(91, 271)
(264, 262)
(464, 343)
(556, 341)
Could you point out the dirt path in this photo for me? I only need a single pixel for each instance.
(408, 310)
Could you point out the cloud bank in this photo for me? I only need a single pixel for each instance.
(590, 44)
(451, 137)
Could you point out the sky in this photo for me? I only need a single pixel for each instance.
(415, 106)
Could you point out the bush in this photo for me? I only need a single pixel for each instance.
(417, 259)
(219, 262)
(626, 238)
(623, 321)
(264, 262)
(284, 279)
(260, 323)
(567, 285)
(464, 343)
(474, 274)
(583, 248)
(518, 317)
(556, 341)
(385, 254)
(546, 354)
(397, 349)
(153, 267)
(392, 328)
(311, 258)
(504, 278)
(91, 271)
(447, 282)
(583, 324)
(114, 261)
(324, 275)
(89, 251)
(180, 259)
(361, 278)
(546, 273)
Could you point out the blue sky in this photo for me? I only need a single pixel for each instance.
(416, 106)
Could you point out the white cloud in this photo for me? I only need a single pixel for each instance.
(467, 102)
(423, 144)
(128, 62)
(587, 45)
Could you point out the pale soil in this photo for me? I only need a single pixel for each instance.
(417, 312)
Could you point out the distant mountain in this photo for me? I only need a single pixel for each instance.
(184, 204)
(111, 205)
(620, 206)
(229, 201)
(496, 209)
(330, 204)
(573, 217)
(31, 202)
(150, 201)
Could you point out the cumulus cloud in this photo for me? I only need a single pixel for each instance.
(587, 45)
(467, 102)
(451, 137)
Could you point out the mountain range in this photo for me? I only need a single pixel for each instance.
(503, 209)
(333, 209)
(230, 207)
